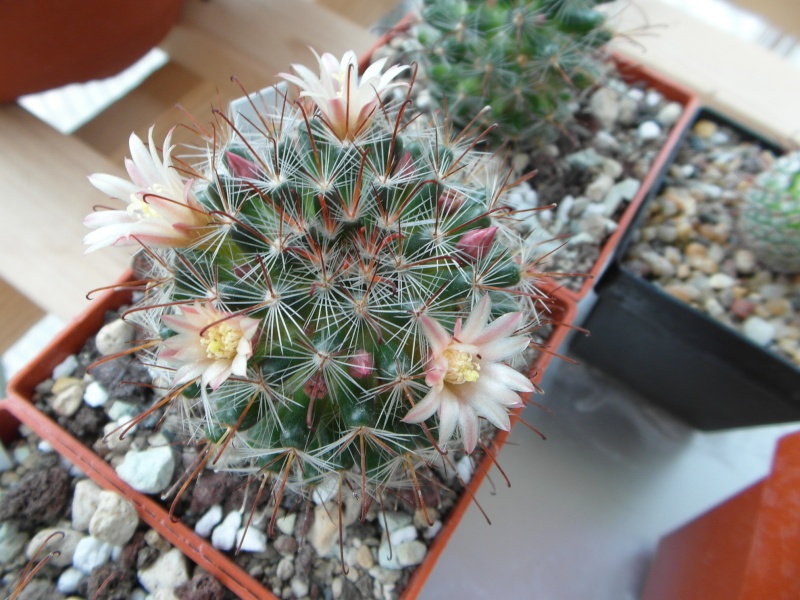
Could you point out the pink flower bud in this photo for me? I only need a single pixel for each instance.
(475, 243)
(241, 167)
(316, 388)
(362, 364)
(450, 201)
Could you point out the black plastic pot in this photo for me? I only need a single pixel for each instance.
(701, 371)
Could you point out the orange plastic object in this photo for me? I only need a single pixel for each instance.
(50, 43)
(747, 548)
(71, 340)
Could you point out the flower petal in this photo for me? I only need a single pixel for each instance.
(511, 378)
(503, 348)
(470, 427)
(436, 335)
(425, 408)
(499, 328)
(449, 415)
(477, 320)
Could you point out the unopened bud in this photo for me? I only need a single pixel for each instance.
(475, 243)
(362, 364)
(241, 167)
(450, 201)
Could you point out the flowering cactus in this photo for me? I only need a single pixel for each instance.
(304, 276)
(525, 59)
(770, 218)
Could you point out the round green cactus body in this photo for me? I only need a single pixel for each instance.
(526, 59)
(333, 292)
(770, 217)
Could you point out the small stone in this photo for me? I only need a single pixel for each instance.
(605, 141)
(624, 190)
(392, 521)
(119, 409)
(285, 544)
(745, 261)
(85, 499)
(421, 517)
(285, 568)
(713, 307)
(759, 331)
(208, 521)
(69, 580)
(364, 558)
(224, 535)
(598, 189)
(166, 573)
(299, 587)
(115, 519)
(660, 266)
(742, 308)
(705, 128)
(114, 337)
(431, 531)
(669, 114)
(63, 539)
(719, 281)
(68, 396)
(604, 106)
(778, 307)
(404, 534)
(773, 291)
(324, 530)
(465, 469)
(648, 130)
(653, 98)
(251, 539)
(628, 111)
(66, 367)
(116, 444)
(12, 541)
(683, 292)
(411, 553)
(286, 523)
(149, 471)
(6, 462)
(90, 553)
(95, 394)
(155, 540)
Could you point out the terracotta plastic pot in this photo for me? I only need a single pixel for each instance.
(703, 372)
(747, 548)
(50, 43)
(71, 340)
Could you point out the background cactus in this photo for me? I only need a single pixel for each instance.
(316, 264)
(527, 59)
(770, 217)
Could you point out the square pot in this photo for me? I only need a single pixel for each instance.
(702, 371)
(71, 340)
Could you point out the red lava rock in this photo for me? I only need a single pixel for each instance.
(201, 587)
(40, 497)
(742, 308)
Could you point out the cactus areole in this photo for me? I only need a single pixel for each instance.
(332, 292)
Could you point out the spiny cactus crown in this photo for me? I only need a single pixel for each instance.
(770, 218)
(526, 59)
(323, 282)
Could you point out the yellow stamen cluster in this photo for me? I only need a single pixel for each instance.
(461, 367)
(221, 341)
(141, 208)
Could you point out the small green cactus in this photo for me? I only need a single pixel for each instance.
(324, 281)
(770, 217)
(525, 59)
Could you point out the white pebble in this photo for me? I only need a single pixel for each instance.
(649, 130)
(224, 535)
(286, 523)
(411, 553)
(149, 471)
(285, 568)
(114, 337)
(251, 539)
(430, 532)
(44, 447)
(670, 113)
(90, 553)
(465, 469)
(66, 367)
(721, 281)
(758, 330)
(95, 394)
(404, 534)
(208, 521)
(69, 580)
(299, 587)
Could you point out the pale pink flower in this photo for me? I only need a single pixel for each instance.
(162, 209)
(346, 101)
(466, 375)
(210, 344)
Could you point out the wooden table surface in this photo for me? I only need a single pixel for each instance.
(44, 193)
